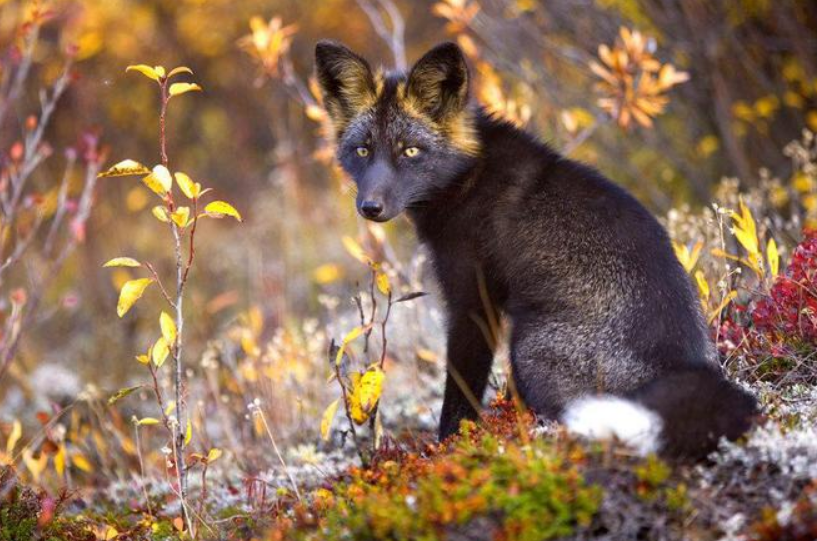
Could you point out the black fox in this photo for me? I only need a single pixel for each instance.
(606, 330)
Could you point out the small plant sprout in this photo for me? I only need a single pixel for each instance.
(180, 209)
(360, 390)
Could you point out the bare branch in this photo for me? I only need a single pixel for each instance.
(392, 33)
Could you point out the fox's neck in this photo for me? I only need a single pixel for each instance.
(507, 155)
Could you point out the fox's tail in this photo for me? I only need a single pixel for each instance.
(681, 415)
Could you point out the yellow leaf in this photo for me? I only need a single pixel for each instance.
(382, 281)
(717, 311)
(59, 460)
(35, 465)
(703, 285)
(350, 336)
(190, 189)
(147, 421)
(717, 252)
(159, 180)
(125, 168)
(213, 454)
(180, 216)
(105, 532)
(687, 258)
(14, 437)
(370, 388)
(188, 433)
(168, 327)
(746, 239)
(326, 274)
(744, 229)
(79, 460)
(355, 410)
(773, 256)
(328, 417)
(171, 407)
(218, 209)
(144, 359)
(427, 355)
(355, 250)
(147, 71)
(182, 88)
(160, 351)
(122, 262)
(366, 390)
(180, 69)
(160, 213)
(130, 293)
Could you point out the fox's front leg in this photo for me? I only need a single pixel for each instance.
(469, 365)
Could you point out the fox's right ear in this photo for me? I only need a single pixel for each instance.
(345, 80)
(438, 82)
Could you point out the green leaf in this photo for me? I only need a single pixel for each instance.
(122, 393)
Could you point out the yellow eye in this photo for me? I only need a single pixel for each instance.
(411, 152)
(362, 152)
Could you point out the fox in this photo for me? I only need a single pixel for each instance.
(606, 331)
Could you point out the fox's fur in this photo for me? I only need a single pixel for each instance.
(597, 301)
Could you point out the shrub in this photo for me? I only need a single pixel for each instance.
(776, 332)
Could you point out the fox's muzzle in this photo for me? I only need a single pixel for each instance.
(375, 199)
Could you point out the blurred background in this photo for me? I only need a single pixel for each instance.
(666, 98)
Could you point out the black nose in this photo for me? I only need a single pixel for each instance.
(371, 209)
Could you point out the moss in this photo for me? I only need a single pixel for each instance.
(26, 514)
(491, 478)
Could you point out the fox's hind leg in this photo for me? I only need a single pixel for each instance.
(548, 367)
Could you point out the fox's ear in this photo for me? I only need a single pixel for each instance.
(438, 82)
(345, 80)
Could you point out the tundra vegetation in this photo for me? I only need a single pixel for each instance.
(281, 378)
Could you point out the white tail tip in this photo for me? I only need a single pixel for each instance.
(607, 417)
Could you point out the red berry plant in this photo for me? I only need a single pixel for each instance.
(776, 334)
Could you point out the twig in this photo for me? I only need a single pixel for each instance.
(260, 414)
(393, 37)
(142, 470)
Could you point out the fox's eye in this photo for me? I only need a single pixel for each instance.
(362, 151)
(411, 152)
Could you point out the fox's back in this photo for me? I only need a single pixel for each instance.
(577, 252)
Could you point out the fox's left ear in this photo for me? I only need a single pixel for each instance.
(438, 82)
(345, 80)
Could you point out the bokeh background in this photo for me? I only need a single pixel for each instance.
(268, 294)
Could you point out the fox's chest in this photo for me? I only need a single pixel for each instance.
(462, 259)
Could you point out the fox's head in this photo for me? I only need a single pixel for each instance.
(401, 137)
